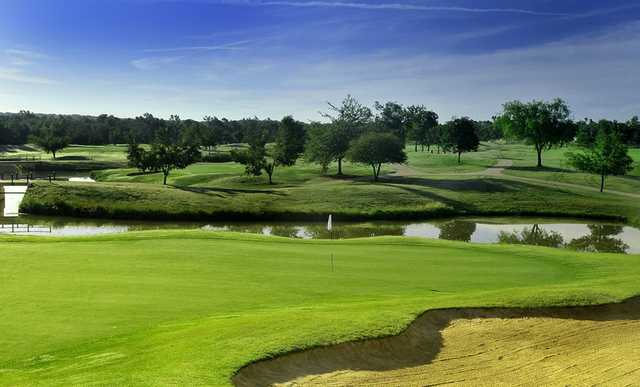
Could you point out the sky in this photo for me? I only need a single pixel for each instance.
(270, 58)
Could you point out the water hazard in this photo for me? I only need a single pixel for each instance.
(562, 233)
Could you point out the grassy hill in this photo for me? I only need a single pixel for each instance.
(191, 308)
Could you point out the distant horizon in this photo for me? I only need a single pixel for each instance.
(240, 58)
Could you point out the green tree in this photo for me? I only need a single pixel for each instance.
(349, 120)
(608, 156)
(318, 148)
(421, 124)
(539, 123)
(209, 135)
(289, 145)
(50, 141)
(392, 118)
(166, 153)
(459, 135)
(375, 149)
(169, 157)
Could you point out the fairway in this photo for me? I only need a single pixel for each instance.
(192, 308)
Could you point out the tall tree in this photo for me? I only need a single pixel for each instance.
(287, 149)
(392, 118)
(210, 132)
(539, 123)
(51, 140)
(289, 145)
(375, 149)
(318, 148)
(421, 124)
(167, 152)
(460, 136)
(349, 120)
(609, 156)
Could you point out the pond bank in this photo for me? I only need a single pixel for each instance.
(577, 234)
(347, 200)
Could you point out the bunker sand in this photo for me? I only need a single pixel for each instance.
(476, 346)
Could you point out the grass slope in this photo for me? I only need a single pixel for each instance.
(556, 168)
(191, 308)
(431, 185)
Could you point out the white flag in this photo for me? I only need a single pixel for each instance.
(329, 224)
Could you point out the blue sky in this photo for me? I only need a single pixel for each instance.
(238, 58)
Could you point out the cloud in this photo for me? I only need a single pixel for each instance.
(386, 6)
(154, 62)
(18, 75)
(596, 75)
(21, 57)
(221, 47)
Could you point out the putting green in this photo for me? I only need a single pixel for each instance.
(194, 307)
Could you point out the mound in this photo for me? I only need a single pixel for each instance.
(492, 346)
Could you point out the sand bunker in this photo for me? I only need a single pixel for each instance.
(493, 346)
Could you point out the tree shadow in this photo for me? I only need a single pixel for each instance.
(540, 169)
(488, 185)
(418, 345)
(221, 192)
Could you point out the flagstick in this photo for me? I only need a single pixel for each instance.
(330, 228)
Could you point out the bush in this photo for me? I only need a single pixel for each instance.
(217, 158)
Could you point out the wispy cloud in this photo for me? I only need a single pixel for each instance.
(220, 47)
(386, 6)
(22, 57)
(154, 62)
(18, 75)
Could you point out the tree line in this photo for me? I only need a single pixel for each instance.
(353, 131)
(20, 128)
(604, 144)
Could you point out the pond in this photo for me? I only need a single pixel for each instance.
(574, 234)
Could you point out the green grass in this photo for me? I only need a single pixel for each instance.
(113, 153)
(190, 308)
(225, 195)
(556, 168)
(446, 163)
(431, 185)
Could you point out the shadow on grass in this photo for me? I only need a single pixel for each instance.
(18, 148)
(221, 192)
(541, 169)
(469, 185)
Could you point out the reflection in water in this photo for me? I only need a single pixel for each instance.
(457, 230)
(601, 240)
(575, 235)
(533, 235)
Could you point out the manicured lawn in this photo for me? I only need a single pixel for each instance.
(431, 185)
(114, 153)
(556, 168)
(191, 307)
(431, 162)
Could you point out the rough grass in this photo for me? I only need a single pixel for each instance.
(191, 308)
